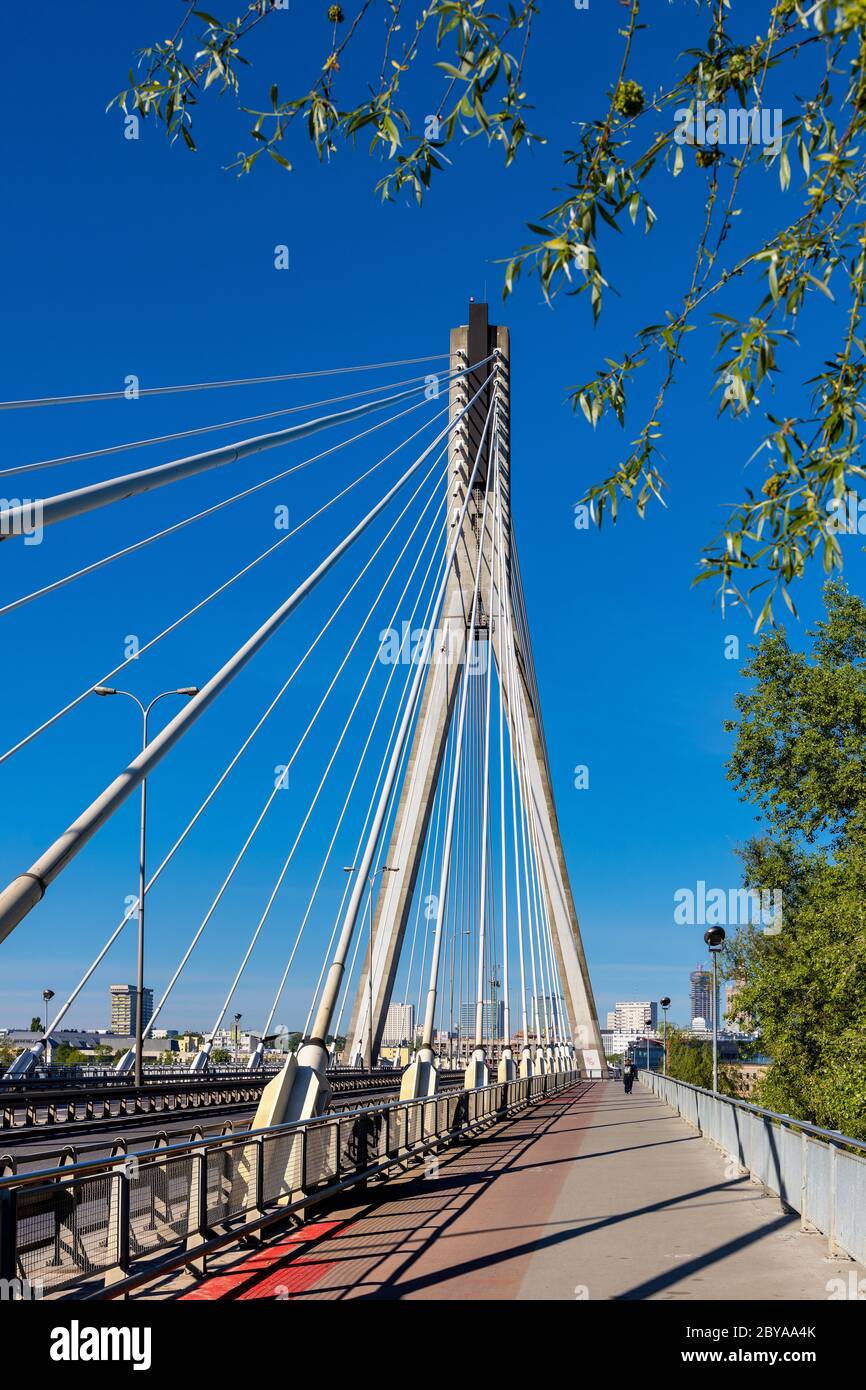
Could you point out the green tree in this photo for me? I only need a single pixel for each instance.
(36, 1024)
(220, 1056)
(690, 1059)
(799, 757)
(66, 1056)
(652, 129)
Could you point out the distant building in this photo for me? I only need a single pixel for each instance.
(492, 1019)
(399, 1025)
(641, 1049)
(615, 1043)
(743, 1024)
(234, 1040)
(701, 993)
(123, 1007)
(634, 1017)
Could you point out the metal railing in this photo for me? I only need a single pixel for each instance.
(104, 1226)
(817, 1172)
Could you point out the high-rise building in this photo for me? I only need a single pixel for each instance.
(636, 1016)
(701, 992)
(492, 1020)
(123, 1006)
(549, 1011)
(399, 1025)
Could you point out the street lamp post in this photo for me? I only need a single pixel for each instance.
(142, 843)
(47, 996)
(665, 1003)
(238, 1018)
(714, 938)
(383, 869)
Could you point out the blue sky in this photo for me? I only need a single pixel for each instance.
(133, 257)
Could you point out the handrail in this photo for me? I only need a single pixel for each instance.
(833, 1136)
(96, 1165)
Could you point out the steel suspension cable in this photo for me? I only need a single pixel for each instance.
(344, 731)
(215, 385)
(63, 459)
(220, 506)
(429, 1017)
(485, 802)
(19, 898)
(337, 968)
(390, 743)
(60, 1015)
(277, 787)
(355, 777)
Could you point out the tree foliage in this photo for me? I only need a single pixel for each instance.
(690, 1059)
(799, 757)
(478, 51)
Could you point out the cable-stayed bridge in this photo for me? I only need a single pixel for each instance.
(422, 864)
(460, 816)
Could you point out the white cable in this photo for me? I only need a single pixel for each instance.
(277, 786)
(506, 1017)
(347, 800)
(29, 887)
(133, 907)
(226, 584)
(210, 429)
(63, 506)
(485, 793)
(403, 703)
(327, 1002)
(430, 1010)
(216, 385)
(289, 857)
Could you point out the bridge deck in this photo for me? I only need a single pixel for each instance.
(593, 1195)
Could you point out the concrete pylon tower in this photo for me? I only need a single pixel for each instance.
(488, 346)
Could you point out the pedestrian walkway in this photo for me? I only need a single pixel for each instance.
(591, 1195)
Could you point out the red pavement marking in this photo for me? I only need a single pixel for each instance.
(259, 1275)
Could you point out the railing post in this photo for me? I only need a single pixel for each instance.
(304, 1147)
(8, 1240)
(118, 1210)
(804, 1165)
(832, 1247)
(198, 1210)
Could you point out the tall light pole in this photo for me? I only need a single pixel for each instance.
(383, 869)
(47, 996)
(714, 938)
(238, 1018)
(665, 1003)
(142, 843)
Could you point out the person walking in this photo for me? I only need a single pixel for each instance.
(628, 1077)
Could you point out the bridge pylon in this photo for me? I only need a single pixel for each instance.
(508, 644)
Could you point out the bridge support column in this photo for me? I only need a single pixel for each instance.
(421, 1077)
(527, 1068)
(300, 1091)
(507, 1069)
(477, 1073)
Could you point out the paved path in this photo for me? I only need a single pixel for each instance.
(592, 1195)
